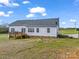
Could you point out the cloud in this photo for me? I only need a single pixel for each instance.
(2, 13)
(10, 12)
(73, 20)
(26, 2)
(15, 4)
(63, 23)
(30, 15)
(6, 14)
(40, 10)
(5, 2)
(9, 3)
(37, 10)
(44, 14)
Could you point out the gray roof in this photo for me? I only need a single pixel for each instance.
(37, 23)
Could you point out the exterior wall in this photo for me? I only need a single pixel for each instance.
(57, 30)
(17, 28)
(42, 31)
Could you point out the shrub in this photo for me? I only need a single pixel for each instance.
(63, 36)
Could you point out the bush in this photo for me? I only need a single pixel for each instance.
(63, 36)
(3, 30)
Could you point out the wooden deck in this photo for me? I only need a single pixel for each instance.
(17, 35)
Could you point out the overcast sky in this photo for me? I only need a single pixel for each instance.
(66, 10)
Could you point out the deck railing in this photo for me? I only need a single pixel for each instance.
(16, 35)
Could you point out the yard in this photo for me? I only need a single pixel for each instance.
(39, 48)
(68, 31)
(3, 37)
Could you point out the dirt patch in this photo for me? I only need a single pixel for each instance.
(27, 49)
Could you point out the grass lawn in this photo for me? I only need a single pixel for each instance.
(68, 31)
(49, 42)
(37, 48)
(59, 43)
(3, 37)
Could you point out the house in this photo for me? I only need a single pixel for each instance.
(40, 27)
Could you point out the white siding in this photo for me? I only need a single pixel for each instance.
(17, 28)
(42, 31)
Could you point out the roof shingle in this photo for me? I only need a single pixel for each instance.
(37, 23)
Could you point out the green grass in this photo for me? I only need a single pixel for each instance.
(50, 42)
(68, 31)
(59, 43)
(35, 48)
(3, 37)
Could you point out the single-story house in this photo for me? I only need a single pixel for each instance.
(36, 27)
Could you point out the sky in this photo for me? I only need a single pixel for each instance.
(66, 10)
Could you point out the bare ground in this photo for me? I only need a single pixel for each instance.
(27, 49)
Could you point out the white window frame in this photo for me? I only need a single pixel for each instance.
(37, 30)
(23, 30)
(48, 30)
(12, 30)
(30, 29)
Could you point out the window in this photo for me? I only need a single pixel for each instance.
(30, 29)
(48, 30)
(56, 23)
(37, 30)
(12, 30)
(23, 30)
